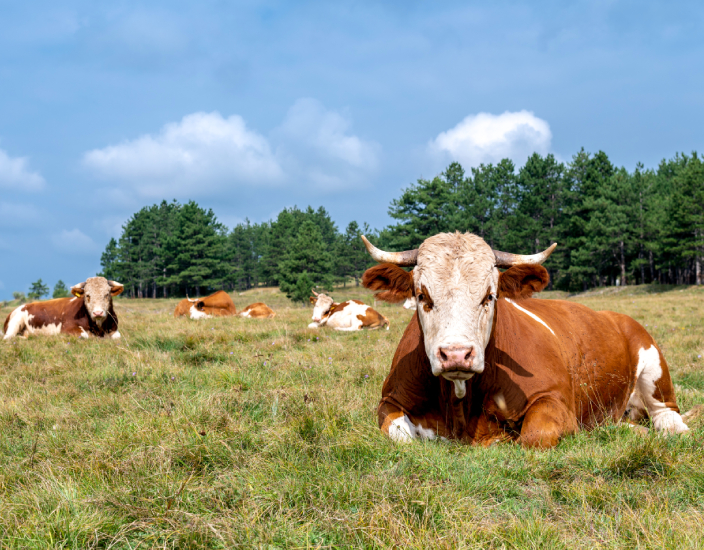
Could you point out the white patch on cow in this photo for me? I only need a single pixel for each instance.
(116, 335)
(245, 314)
(402, 430)
(46, 330)
(650, 371)
(197, 314)
(500, 401)
(314, 325)
(19, 321)
(410, 303)
(84, 334)
(346, 318)
(531, 315)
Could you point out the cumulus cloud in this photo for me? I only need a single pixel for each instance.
(486, 138)
(16, 174)
(74, 242)
(315, 144)
(205, 153)
(202, 153)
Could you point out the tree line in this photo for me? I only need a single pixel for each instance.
(612, 227)
(173, 249)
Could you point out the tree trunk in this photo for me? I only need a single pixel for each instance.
(623, 264)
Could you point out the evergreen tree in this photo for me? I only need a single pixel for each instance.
(60, 290)
(307, 253)
(37, 290)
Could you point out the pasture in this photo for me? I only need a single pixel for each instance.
(232, 432)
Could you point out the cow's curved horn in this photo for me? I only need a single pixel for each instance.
(506, 259)
(314, 292)
(406, 258)
(192, 301)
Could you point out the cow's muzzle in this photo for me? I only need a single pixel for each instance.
(458, 362)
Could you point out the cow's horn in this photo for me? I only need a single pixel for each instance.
(192, 301)
(314, 292)
(406, 258)
(506, 259)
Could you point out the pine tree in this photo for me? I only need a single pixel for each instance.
(60, 290)
(37, 290)
(307, 253)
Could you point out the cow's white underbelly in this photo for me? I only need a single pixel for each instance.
(346, 319)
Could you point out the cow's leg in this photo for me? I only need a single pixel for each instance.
(656, 392)
(116, 335)
(314, 325)
(545, 423)
(402, 428)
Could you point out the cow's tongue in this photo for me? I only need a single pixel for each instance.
(460, 388)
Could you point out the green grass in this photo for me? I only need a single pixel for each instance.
(261, 433)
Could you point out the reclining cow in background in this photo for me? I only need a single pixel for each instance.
(350, 315)
(219, 304)
(480, 361)
(90, 313)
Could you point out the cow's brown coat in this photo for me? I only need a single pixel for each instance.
(536, 386)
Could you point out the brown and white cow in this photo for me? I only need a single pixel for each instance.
(258, 310)
(89, 313)
(219, 304)
(350, 315)
(481, 361)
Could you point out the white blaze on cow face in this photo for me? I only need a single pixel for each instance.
(410, 303)
(321, 307)
(97, 293)
(456, 283)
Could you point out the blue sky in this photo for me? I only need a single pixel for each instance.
(250, 107)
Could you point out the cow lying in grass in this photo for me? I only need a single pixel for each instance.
(219, 304)
(350, 315)
(481, 361)
(89, 313)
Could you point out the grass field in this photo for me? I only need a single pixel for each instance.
(233, 432)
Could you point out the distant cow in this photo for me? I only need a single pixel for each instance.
(350, 315)
(219, 304)
(90, 313)
(481, 361)
(257, 311)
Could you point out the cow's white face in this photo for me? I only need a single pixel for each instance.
(321, 306)
(97, 293)
(455, 283)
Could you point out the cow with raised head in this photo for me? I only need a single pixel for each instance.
(349, 315)
(481, 361)
(89, 313)
(219, 304)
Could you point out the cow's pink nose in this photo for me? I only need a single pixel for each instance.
(98, 313)
(456, 358)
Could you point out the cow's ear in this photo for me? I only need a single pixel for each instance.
(115, 288)
(521, 281)
(78, 290)
(199, 305)
(396, 282)
(313, 299)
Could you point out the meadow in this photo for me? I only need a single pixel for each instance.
(228, 433)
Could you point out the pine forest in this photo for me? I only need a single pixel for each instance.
(612, 226)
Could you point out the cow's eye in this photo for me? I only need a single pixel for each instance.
(421, 297)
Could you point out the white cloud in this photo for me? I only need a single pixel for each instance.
(205, 154)
(315, 145)
(16, 174)
(17, 214)
(202, 153)
(486, 138)
(74, 242)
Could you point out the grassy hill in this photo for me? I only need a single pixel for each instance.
(261, 433)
